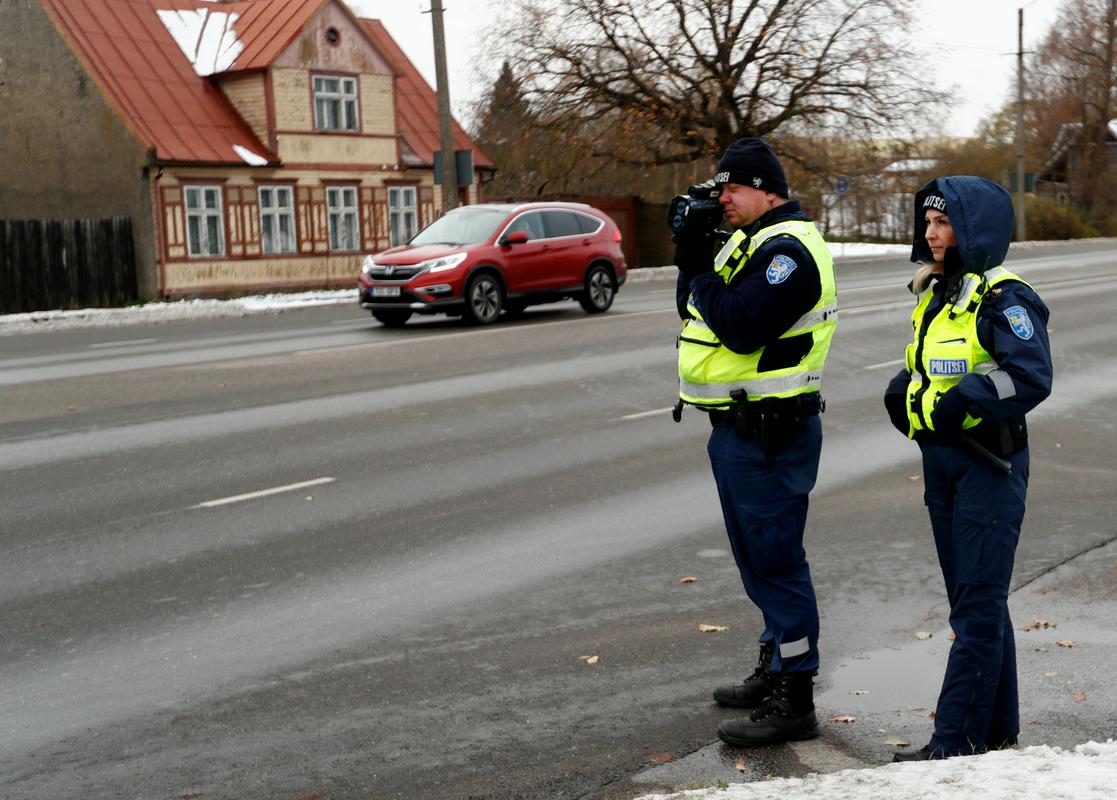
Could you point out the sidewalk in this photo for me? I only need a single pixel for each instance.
(1066, 645)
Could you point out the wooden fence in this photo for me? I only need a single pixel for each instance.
(73, 263)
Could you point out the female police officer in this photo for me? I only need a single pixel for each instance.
(980, 361)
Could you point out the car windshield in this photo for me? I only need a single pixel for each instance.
(462, 226)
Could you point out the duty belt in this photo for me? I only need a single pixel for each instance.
(772, 421)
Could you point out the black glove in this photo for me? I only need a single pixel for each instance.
(948, 414)
(896, 401)
(897, 407)
(694, 253)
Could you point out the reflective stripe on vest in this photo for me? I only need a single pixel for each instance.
(709, 372)
(950, 349)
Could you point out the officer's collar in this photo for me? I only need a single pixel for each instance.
(784, 211)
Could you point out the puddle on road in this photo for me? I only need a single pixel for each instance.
(890, 680)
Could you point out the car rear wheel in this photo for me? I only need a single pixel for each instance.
(599, 291)
(483, 299)
(391, 317)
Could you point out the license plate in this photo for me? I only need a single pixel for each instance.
(385, 291)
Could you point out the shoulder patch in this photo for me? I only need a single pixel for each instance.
(781, 267)
(1020, 322)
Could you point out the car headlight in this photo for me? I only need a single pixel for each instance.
(442, 264)
(367, 266)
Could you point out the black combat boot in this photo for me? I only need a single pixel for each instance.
(750, 693)
(786, 715)
(924, 753)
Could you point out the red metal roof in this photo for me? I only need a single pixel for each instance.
(183, 116)
(171, 110)
(417, 104)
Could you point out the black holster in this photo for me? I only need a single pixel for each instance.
(774, 422)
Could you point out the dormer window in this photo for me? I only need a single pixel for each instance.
(335, 103)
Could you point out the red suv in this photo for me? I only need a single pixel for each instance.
(476, 261)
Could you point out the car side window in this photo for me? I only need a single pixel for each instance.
(562, 223)
(588, 224)
(532, 223)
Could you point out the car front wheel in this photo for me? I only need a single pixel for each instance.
(599, 291)
(483, 299)
(391, 318)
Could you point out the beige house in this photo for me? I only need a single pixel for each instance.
(260, 144)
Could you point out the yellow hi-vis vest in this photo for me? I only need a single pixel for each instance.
(710, 371)
(948, 349)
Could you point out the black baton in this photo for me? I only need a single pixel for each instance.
(982, 453)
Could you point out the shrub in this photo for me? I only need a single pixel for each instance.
(1048, 220)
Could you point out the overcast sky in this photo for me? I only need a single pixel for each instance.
(974, 42)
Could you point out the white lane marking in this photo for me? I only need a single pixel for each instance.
(121, 344)
(882, 307)
(291, 487)
(643, 414)
(884, 364)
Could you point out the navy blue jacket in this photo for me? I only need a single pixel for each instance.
(981, 215)
(751, 312)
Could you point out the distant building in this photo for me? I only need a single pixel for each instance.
(254, 144)
(1064, 170)
(878, 205)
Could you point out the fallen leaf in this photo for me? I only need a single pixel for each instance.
(1058, 444)
(953, 635)
(1050, 674)
(897, 742)
(590, 659)
(688, 579)
(741, 765)
(712, 628)
(1045, 589)
(862, 658)
(1080, 697)
(846, 719)
(308, 498)
(71, 407)
(859, 692)
(915, 477)
(661, 758)
(923, 635)
(931, 715)
(1039, 624)
(1065, 643)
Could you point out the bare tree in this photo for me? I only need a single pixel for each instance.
(684, 77)
(1076, 86)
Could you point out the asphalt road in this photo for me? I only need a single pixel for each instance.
(301, 555)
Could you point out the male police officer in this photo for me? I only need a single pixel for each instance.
(758, 319)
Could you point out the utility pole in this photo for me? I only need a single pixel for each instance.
(445, 128)
(1021, 224)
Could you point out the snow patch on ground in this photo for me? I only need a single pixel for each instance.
(1086, 773)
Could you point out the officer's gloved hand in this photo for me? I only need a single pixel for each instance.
(896, 401)
(948, 414)
(694, 253)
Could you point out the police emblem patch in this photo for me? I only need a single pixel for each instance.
(779, 269)
(1020, 321)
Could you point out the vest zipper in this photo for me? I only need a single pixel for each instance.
(925, 384)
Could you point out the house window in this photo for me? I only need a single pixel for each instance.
(205, 228)
(341, 203)
(335, 103)
(403, 214)
(277, 219)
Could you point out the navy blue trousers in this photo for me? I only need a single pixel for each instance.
(764, 502)
(976, 515)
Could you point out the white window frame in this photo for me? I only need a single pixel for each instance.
(274, 240)
(204, 240)
(336, 103)
(344, 219)
(403, 214)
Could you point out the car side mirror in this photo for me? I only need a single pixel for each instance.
(515, 237)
